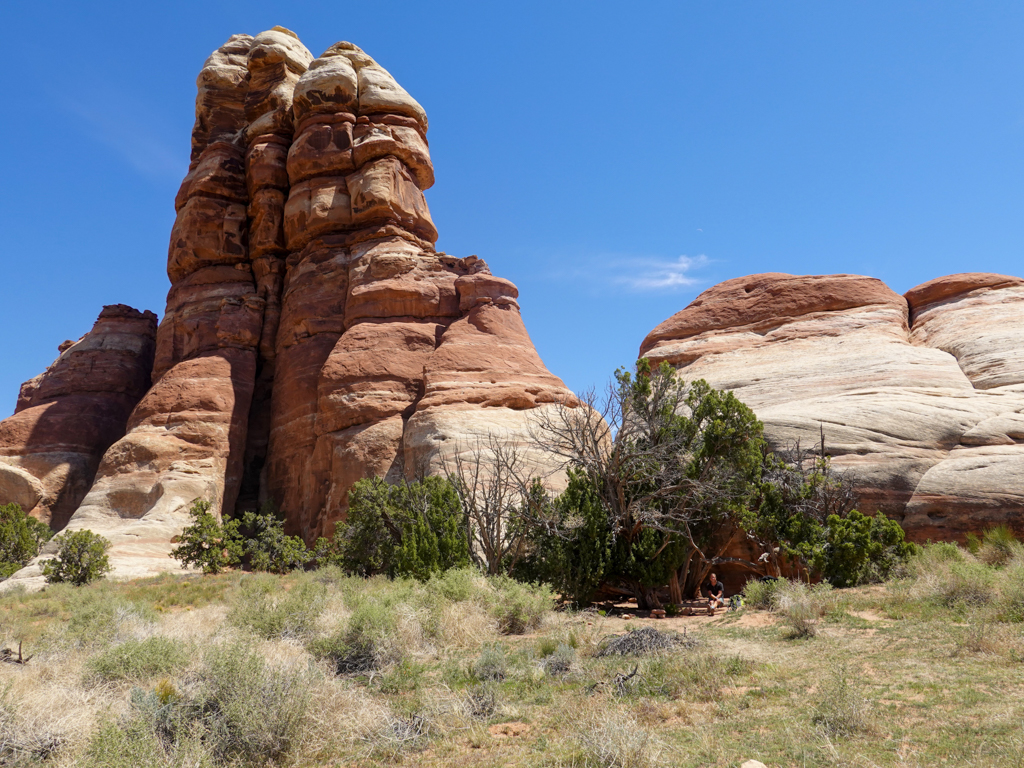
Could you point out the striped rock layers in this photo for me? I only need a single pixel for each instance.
(313, 336)
(71, 413)
(920, 396)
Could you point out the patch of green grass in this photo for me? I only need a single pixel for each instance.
(138, 660)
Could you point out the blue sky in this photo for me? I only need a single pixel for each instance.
(611, 159)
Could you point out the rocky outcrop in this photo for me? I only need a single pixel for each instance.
(313, 335)
(920, 396)
(67, 416)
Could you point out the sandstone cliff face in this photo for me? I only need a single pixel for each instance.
(71, 413)
(313, 336)
(921, 397)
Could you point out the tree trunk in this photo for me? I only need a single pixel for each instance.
(646, 597)
(674, 590)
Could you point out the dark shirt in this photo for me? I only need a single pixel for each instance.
(715, 590)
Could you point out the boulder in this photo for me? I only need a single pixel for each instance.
(918, 396)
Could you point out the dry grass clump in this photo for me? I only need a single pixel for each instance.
(840, 709)
(950, 577)
(999, 546)
(613, 739)
(802, 607)
(238, 710)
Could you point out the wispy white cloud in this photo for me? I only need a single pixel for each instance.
(659, 274)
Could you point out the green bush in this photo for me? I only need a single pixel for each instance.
(265, 609)
(859, 549)
(138, 659)
(21, 536)
(762, 594)
(238, 712)
(206, 543)
(491, 664)
(411, 529)
(998, 546)
(81, 558)
(572, 550)
(518, 607)
(266, 546)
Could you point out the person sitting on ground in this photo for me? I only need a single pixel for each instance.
(716, 593)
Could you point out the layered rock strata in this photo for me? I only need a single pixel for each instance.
(186, 437)
(313, 335)
(67, 416)
(920, 396)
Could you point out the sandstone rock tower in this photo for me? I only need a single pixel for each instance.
(920, 396)
(313, 336)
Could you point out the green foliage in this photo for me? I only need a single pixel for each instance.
(685, 462)
(491, 664)
(239, 711)
(762, 594)
(21, 536)
(265, 544)
(268, 611)
(998, 546)
(411, 529)
(208, 544)
(517, 606)
(840, 710)
(571, 549)
(138, 660)
(859, 549)
(81, 558)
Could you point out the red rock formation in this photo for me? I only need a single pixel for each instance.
(186, 437)
(310, 320)
(70, 414)
(919, 396)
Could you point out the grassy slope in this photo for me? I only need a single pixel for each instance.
(927, 681)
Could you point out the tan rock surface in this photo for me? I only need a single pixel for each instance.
(913, 411)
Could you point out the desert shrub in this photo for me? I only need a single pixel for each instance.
(802, 607)
(138, 659)
(21, 536)
(616, 740)
(840, 709)
(91, 617)
(264, 608)
(127, 743)
(81, 558)
(561, 661)
(369, 639)
(411, 529)
(762, 594)
(238, 711)
(491, 664)
(1011, 592)
(998, 546)
(950, 577)
(256, 711)
(859, 549)
(265, 545)
(206, 543)
(517, 606)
